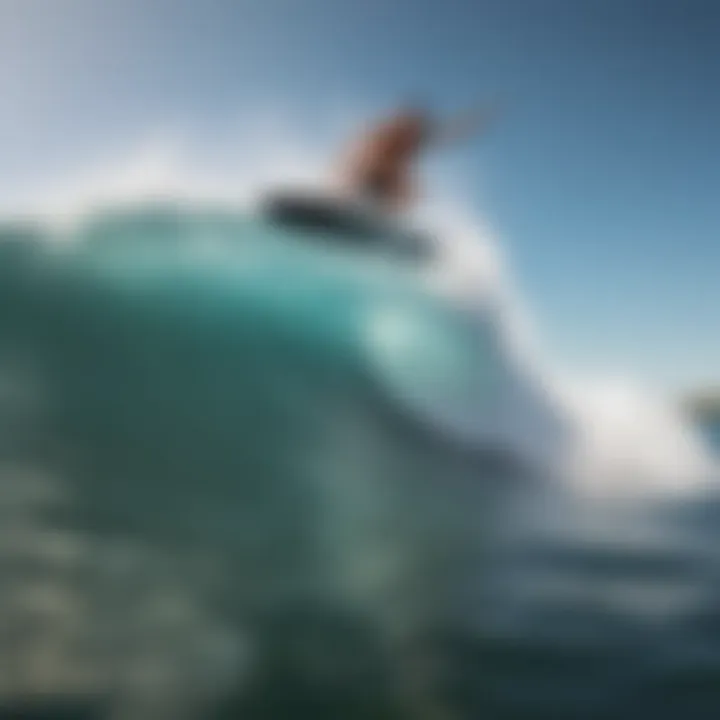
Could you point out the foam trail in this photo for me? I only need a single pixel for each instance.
(607, 433)
(623, 438)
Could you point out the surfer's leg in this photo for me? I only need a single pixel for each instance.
(375, 187)
(389, 190)
(401, 191)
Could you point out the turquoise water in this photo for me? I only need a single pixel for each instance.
(212, 442)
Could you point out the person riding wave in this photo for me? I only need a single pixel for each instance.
(380, 165)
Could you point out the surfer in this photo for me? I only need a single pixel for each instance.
(379, 167)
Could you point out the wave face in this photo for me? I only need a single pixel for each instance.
(249, 463)
(221, 412)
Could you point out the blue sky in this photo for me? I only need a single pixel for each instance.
(602, 181)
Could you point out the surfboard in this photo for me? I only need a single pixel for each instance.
(346, 221)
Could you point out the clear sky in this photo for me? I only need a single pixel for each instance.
(602, 181)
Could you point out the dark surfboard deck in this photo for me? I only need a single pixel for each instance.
(346, 221)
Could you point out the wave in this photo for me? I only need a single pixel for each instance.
(606, 435)
(362, 504)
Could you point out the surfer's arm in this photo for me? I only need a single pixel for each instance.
(461, 127)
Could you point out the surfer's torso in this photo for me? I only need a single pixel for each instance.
(380, 166)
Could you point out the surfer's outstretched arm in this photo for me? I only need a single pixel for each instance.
(462, 127)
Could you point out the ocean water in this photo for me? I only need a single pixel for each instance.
(250, 471)
(711, 428)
